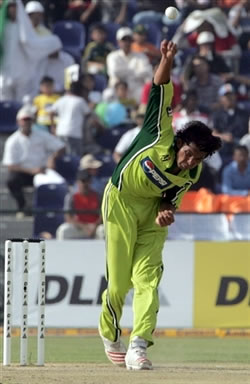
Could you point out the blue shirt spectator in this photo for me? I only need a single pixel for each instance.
(236, 175)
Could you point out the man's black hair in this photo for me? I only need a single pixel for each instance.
(98, 27)
(76, 88)
(47, 80)
(201, 135)
(242, 148)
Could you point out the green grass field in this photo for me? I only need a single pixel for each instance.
(89, 349)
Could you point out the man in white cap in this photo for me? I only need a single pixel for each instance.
(92, 165)
(35, 11)
(28, 153)
(132, 67)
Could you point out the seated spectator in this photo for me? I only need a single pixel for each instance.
(43, 102)
(205, 83)
(35, 11)
(90, 164)
(28, 153)
(96, 51)
(123, 64)
(71, 111)
(230, 122)
(189, 110)
(128, 137)
(141, 44)
(122, 95)
(206, 48)
(80, 225)
(236, 175)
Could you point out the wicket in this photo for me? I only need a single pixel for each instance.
(8, 292)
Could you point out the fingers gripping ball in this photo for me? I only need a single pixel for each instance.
(172, 13)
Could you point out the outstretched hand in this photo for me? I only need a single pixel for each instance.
(168, 49)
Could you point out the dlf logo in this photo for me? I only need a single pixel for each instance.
(228, 284)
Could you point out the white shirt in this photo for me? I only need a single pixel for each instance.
(133, 68)
(54, 68)
(71, 111)
(30, 151)
(126, 140)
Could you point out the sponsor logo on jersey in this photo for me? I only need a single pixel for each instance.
(153, 173)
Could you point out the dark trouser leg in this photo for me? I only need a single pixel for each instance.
(16, 181)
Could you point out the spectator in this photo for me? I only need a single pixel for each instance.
(44, 101)
(236, 175)
(96, 51)
(210, 20)
(177, 89)
(54, 66)
(114, 11)
(28, 153)
(239, 19)
(53, 13)
(189, 110)
(35, 11)
(21, 51)
(84, 11)
(128, 137)
(230, 122)
(205, 42)
(71, 111)
(78, 224)
(205, 83)
(121, 94)
(123, 64)
(141, 44)
(90, 164)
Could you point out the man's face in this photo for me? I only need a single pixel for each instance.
(189, 156)
(240, 156)
(125, 43)
(25, 124)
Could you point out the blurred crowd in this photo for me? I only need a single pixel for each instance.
(84, 98)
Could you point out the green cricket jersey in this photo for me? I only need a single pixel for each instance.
(145, 169)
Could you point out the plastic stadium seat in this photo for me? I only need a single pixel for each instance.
(101, 82)
(106, 170)
(8, 112)
(110, 137)
(67, 166)
(47, 222)
(200, 227)
(154, 33)
(72, 35)
(245, 63)
(240, 225)
(111, 29)
(50, 196)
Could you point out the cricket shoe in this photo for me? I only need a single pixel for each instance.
(115, 351)
(136, 357)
